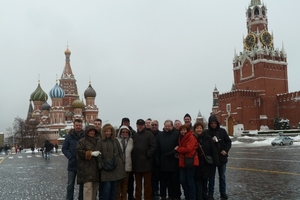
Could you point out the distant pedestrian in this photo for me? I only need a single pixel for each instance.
(20, 149)
(6, 148)
(42, 150)
(69, 150)
(32, 149)
(48, 148)
(56, 147)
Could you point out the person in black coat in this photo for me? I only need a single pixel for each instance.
(223, 145)
(205, 170)
(167, 140)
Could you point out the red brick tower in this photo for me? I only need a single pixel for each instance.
(68, 83)
(260, 73)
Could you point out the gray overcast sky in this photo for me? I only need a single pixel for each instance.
(158, 59)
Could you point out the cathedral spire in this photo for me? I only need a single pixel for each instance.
(67, 72)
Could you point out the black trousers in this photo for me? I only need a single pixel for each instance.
(170, 181)
(130, 187)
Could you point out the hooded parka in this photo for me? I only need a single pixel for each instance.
(127, 148)
(87, 168)
(109, 148)
(224, 142)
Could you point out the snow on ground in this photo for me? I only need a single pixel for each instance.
(259, 140)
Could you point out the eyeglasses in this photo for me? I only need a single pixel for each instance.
(154, 124)
(124, 132)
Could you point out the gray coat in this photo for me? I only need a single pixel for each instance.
(107, 147)
(144, 148)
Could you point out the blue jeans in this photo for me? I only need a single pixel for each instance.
(187, 180)
(70, 186)
(47, 155)
(222, 180)
(109, 190)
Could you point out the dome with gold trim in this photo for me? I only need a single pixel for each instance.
(39, 94)
(90, 92)
(77, 103)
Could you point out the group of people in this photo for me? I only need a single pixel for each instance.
(107, 162)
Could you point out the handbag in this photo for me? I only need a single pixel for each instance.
(109, 164)
(189, 162)
(208, 159)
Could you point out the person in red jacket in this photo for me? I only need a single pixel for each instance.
(188, 145)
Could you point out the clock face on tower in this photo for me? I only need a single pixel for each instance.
(266, 38)
(250, 41)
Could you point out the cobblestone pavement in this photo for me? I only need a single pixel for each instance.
(252, 173)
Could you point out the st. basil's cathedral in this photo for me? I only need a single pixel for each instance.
(259, 94)
(52, 120)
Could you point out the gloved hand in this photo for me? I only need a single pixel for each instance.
(96, 153)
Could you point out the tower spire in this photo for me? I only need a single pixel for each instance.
(67, 72)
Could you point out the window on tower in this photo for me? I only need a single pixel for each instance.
(256, 11)
(263, 11)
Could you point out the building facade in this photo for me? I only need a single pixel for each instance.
(53, 120)
(260, 90)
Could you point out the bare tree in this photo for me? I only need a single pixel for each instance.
(20, 131)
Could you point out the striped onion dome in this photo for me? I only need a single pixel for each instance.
(46, 106)
(39, 94)
(90, 92)
(57, 92)
(77, 103)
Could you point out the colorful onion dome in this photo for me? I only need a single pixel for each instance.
(57, 92)
(77, 103)
(46, 106)
(39, 94)
(90, 92)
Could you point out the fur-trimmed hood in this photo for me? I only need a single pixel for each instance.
(120, 129)
(106, 127)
